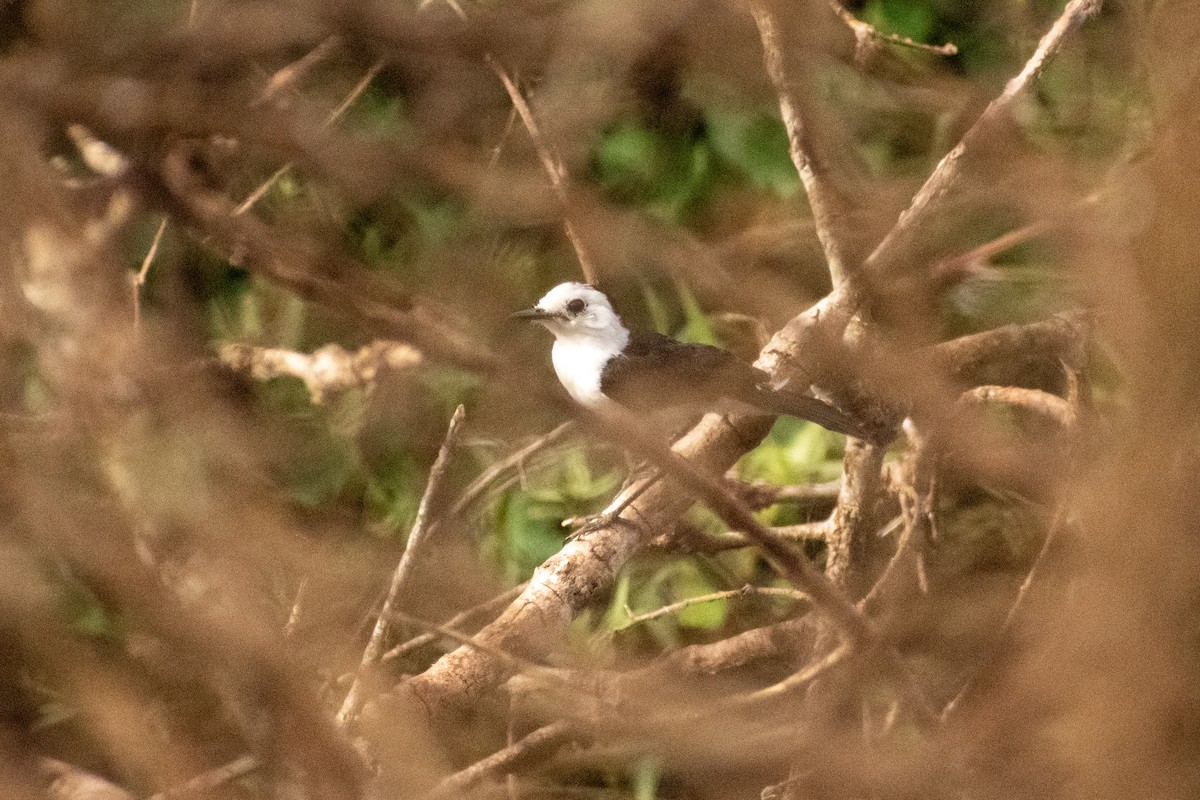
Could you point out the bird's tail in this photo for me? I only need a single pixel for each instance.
(803, 406)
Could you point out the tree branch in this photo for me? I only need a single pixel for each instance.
(416, 542)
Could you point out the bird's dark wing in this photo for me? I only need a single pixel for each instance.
(656, 371)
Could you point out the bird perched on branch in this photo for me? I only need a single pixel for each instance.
(599, 360)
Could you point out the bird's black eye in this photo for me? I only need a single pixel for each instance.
(576, 305)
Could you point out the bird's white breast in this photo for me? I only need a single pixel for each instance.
(578, 362)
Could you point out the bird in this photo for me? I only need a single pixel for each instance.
(598, 360)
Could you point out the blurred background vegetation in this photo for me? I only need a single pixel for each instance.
(257, 503)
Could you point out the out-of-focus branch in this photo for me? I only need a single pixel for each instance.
(288, 76)
(328, 370)
(68, 782)
(1048, 405)
(913, 220)
(1014, 347)
(551, 162)
(417, 540)
(486, 609)
(333, 117)
(211, 780)
(536, 745)
(297, 263)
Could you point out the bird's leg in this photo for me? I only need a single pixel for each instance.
(612, 516)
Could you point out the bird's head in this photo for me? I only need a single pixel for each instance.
(577, 311)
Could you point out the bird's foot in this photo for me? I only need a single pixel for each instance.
(612, 516)
(582, 526)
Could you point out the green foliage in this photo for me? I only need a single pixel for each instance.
(670, 175)
(755, 145)
(527, 526)
(911, 18)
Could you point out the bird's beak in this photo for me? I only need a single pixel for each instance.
(531, 314)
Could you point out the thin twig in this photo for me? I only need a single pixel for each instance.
(289, 628)
(288, 76)
(480, 485)
(513, 661)
(946, 174)
(803, 677)
(745, 591)
(139, 280)
(416, 541)
(864, 32)
(1010, 618)
(333, 117)
(536, 745)
(551, 163)
(488, 608)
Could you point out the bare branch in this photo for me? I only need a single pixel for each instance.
(288, 76)
(831, 210)
(746, 591)
(489, 476)
(945, 175)
(535, 746)
(333, 117)
(417, 539)
(329, 370)
(486, 609)
(301, 265)
(866, 36)
(617, 425)
(551, 162)
(1045, 404)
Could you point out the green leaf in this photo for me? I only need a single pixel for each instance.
(756, 144)
(696, 327)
